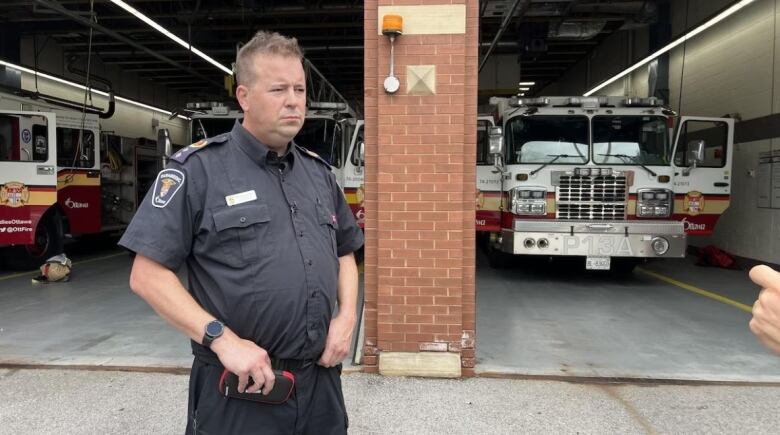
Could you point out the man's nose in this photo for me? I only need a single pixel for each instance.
(290, 98)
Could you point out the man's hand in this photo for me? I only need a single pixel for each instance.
(338, 341)
(766, 311)
(245, 359)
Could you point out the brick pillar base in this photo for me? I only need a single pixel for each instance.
(419, 187)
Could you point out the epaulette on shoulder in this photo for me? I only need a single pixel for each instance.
(183, 154)
(313, 155)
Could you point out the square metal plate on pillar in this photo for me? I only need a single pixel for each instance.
(421, 79)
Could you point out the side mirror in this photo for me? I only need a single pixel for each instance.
(695, 155)
(696, 152)
(361, 153)
(164, 146)
(496, 140)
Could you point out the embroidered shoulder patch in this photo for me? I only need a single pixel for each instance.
(183, 154)
(168, 182)
(313, 155)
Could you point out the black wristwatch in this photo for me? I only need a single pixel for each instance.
(214, 330)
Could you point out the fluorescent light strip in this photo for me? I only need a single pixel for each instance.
(526, 83)
(673, 44)
(170, 35)
(82, 87)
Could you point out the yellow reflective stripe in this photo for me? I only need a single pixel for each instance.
(711, 206)
(42, 198)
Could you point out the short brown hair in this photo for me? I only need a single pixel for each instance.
(263, 43)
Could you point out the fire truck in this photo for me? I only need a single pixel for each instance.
(612, 180)
(61, 178)
(330, 129)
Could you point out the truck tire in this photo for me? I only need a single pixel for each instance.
(48, 243)
(496, 258)
(623, 266)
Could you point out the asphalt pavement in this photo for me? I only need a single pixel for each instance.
(62, 402)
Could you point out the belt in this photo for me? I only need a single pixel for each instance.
(210, 358)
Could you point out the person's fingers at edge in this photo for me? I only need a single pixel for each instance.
(765, 276)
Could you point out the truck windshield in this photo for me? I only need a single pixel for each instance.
(535, 139)
(631, 140)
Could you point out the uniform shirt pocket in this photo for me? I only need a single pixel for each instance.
(241, 230)
(329, 224)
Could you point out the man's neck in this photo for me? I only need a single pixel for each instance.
(279, 145)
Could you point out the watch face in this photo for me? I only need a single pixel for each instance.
(214, 329)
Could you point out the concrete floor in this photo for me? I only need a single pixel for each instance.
(536, 319)
(92, 320)
(531, 320)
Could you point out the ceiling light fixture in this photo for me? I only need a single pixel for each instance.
(170, 35)
(675, 43)
(527, 83)
(82, 87)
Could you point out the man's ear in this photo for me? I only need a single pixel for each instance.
(242, 95)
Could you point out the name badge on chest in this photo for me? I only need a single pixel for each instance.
(240, 198)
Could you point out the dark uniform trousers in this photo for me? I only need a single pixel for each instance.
(315, 407)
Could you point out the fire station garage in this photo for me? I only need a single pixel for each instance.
(558, 189)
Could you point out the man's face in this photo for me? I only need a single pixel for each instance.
(274, 104)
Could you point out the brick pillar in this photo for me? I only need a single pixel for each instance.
(419, 190)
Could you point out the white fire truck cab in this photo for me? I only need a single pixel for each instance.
(330, 130)
(50, 178)
(604, 178)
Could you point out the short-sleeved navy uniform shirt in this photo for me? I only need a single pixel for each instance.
(260, 235)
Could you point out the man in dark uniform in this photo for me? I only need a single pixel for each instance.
(268, 240)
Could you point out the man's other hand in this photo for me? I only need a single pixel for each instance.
(766, 311)
(338, 341)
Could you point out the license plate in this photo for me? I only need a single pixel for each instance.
(597, 263)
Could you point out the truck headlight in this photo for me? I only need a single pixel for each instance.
(654, 203)
(529, 201)
(660, 245)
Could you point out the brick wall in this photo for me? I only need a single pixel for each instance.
(420, 171)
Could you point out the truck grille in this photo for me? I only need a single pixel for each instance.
(591, 198)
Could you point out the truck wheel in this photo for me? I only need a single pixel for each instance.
(48, 243)
(623, 266)
(496, 258)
